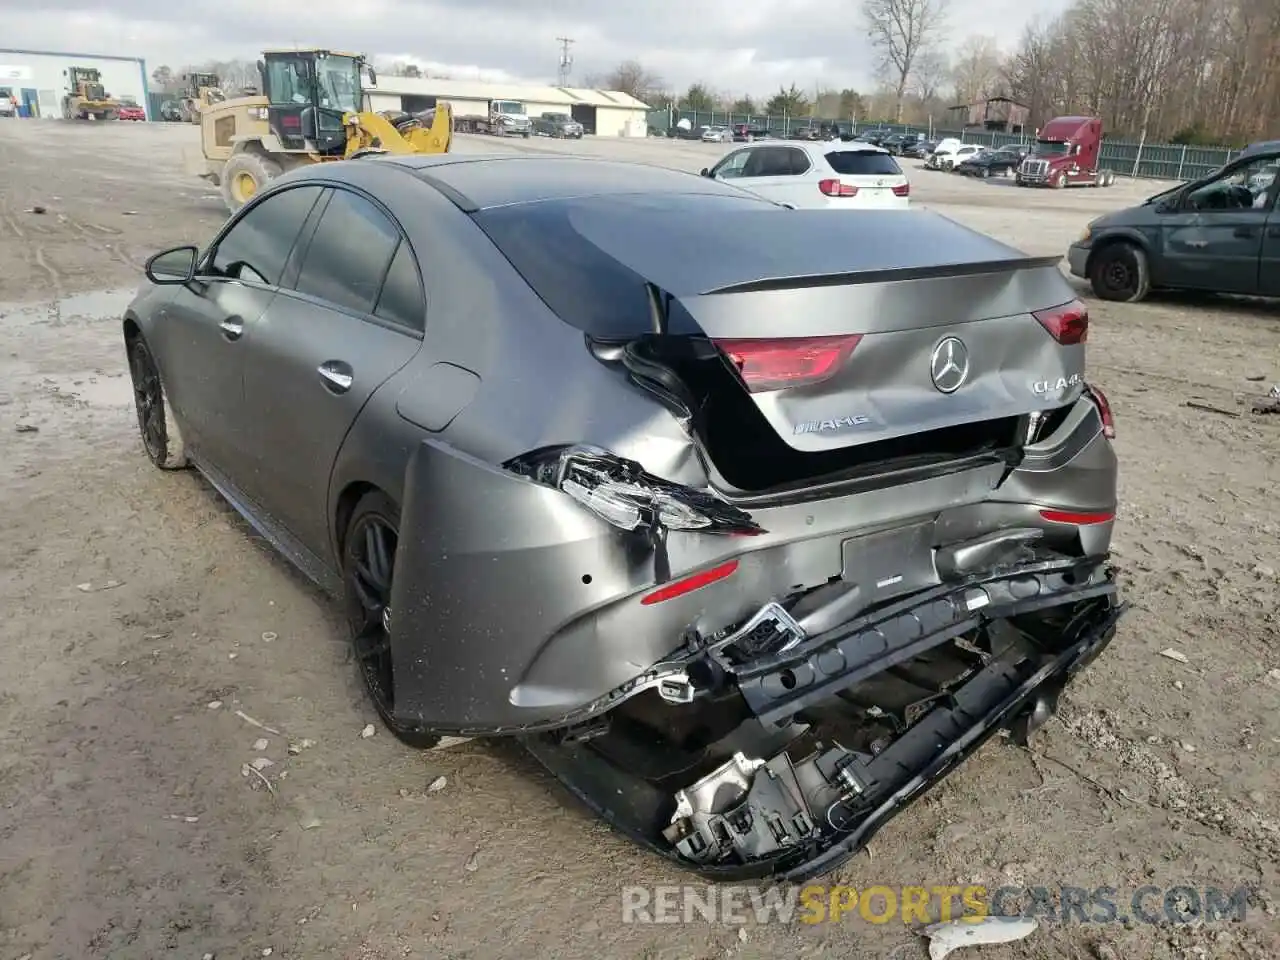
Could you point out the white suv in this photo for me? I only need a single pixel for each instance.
(7, 109)
(831, 175)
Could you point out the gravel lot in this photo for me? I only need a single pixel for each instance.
(136, 601)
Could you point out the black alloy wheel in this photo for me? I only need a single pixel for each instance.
(368, 566)
(160, 436)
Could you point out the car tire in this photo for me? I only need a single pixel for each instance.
(1118, 272)
(157, 426)
(369, 549)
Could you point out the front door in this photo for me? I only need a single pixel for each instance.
(209, 326)
(1214, 239)
(321, 351)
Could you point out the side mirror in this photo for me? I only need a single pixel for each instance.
(706, 172)
(173, 267)
(373, 77)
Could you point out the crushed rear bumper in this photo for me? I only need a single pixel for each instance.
(1017, 689)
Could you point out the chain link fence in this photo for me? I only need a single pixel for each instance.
(1162, 161)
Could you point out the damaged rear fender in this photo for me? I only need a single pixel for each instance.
(515, 607)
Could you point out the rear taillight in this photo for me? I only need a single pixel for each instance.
(902, 190)
(777, 364)
(1068, 323)
(834, 188)
(1104, 410)
(620, 492)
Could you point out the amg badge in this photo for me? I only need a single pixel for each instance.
(1048, 386)
(824, 426)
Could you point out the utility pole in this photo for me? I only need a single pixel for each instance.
(566, 60)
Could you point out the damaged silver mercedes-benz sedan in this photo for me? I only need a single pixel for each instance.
(750, 522)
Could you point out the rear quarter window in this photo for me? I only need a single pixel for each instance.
(863, 163)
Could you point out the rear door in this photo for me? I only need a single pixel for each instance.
(782, 174)
(209, 328)
(878, 178)
(354, 317)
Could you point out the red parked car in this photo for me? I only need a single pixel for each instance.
(131, 111)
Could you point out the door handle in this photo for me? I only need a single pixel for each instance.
(232, 328)
(336, 376)
(1197, 244)
(1244, 233)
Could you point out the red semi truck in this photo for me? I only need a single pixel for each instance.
(1065, 154)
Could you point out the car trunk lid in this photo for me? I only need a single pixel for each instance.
(868, 178)
(803, 345)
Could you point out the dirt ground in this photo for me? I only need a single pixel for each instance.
(150, 638)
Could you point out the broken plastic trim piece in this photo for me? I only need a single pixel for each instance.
(622, 493)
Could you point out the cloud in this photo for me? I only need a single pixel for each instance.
(735, 46)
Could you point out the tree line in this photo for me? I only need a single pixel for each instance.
(1187, 71)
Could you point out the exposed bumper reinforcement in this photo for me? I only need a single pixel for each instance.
(777, 687)
(1021, 684)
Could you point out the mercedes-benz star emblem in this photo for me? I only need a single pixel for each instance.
(949, 365)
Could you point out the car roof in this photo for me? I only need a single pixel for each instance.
(479, 182)
(821, 148)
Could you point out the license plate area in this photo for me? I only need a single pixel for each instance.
(891, 563)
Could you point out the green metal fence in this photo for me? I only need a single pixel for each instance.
(1163, 161)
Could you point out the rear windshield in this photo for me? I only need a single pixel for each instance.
(865, 163)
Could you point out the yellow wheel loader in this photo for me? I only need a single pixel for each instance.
(88, 98)
(313, 109)
(203, 89)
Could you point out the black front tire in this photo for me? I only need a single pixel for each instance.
(368, 568)
(1118, 272)
(161, 435)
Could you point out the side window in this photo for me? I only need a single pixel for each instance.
(777, 162)
(798, 161)
(732, 165)
(1244, 188)
(258, 245)
(401, 299)
(349, 253)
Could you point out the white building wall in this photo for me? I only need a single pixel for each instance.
(44, 73)
(620, 122)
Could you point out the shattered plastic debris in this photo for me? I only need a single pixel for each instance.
(1173, 654)
(260, 744)
(436, 785)
(368, 731)
(954, 934)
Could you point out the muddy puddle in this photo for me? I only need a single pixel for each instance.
(95, 306)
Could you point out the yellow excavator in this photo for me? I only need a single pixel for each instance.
(313, 109)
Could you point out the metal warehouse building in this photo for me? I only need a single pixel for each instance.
(605, 113)
(38, 78)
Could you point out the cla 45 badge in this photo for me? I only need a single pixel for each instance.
(1055, 386)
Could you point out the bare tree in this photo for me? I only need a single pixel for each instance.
(975, 69)
(931, 71)
(630, 77)
(901, 30)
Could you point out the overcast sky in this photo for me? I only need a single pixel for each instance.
(735, 46)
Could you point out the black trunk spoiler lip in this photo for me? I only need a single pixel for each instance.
(890, 275)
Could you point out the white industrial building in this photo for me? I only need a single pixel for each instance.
(604, 113)
(39, 78)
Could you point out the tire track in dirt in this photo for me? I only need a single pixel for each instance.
(115, 251)
(55, 277)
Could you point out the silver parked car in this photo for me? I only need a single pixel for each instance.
(749, 522)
